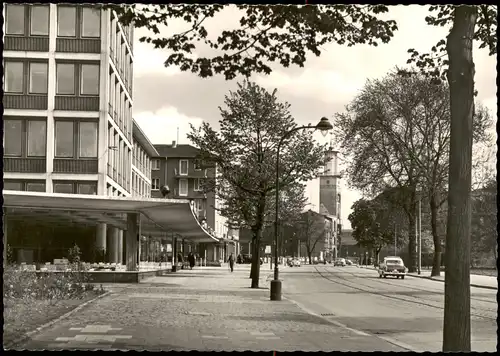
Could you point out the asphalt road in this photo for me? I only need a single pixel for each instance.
(407, 313)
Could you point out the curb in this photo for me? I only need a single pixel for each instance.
(53, 321)
(441, 280)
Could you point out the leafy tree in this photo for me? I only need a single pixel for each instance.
(398, 132)
(311, 230)
(286, 33)
(371, 225)
(279, 33)
(244, 152)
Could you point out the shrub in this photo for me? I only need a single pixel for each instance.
(74, 254)
(29, 285)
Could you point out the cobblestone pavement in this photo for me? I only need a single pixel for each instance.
(202, 309)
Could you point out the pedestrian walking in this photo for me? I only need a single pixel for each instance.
(191, 260)
(231, 261)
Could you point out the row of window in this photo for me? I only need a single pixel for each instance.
(120, 55)
(119, 104)
(72, 21)
(64, 187)
(183, 185)
(141, 160)
(23, 77)
(119, 159)
(28, 138)
(140, 187)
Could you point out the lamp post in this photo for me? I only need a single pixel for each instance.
(324, 125)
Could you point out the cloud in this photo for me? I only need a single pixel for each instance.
(161, 126)
(151, 61)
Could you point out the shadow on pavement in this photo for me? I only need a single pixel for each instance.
(299, 318)
(388, 326)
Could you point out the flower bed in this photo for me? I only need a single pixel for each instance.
(32, 299)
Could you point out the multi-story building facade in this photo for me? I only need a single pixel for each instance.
(68, 100)
(68, 124)
(178, 168)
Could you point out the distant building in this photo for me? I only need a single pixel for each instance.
(178, 168)
(330, 198)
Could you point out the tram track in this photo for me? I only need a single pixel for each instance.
(341, 280)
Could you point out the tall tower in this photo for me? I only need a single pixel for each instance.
(329, 194)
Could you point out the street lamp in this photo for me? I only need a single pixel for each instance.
(324, 126)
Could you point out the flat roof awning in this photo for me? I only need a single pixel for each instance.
(162, 216)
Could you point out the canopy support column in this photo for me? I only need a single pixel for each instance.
(131, 245)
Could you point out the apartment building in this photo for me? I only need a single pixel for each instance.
(178, 168)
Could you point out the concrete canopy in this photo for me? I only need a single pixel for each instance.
(160, 217)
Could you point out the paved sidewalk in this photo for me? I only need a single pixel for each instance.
(203, 309)
(476, 280)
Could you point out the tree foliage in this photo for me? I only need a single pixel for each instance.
(267, 34)
(398, 133)
(372, 224)
(484, 222)
(311, 230)
(244, 153)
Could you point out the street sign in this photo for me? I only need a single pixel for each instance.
(268, 249)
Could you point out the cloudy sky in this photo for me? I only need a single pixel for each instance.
(166, 99)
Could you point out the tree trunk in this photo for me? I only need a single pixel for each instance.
(436, 261)
(412, 243)
(255, 269)
(456, 330)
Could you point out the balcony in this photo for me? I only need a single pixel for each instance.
(75, 166)
(193, 174)
(24, 165)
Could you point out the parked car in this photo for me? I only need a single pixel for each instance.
(340, 262)
(392, 266)
(349, 262)
(296, 262)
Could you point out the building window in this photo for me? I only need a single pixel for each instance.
(91, 22)
(39, 20)
(68, 74)
(88, 139)
(183, 167)
(197, 185)
(199, 204)
(183, 187)
(67, 187)
(78, 22)
(38, 78)
(65, 79)
(15, 19)
(155, 165)
(14, 77)
(63, 188)
(25, 138)
(90, 79)
(28, 186)
(85, 146)
(155, 184)
(197, 165)
(66, 21)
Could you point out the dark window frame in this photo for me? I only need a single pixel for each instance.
(75, 185)
(24, 183)
(26, 74)
(24, 134)
(77, 69)
(76, 134)
(79, 21)
(27, 21)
